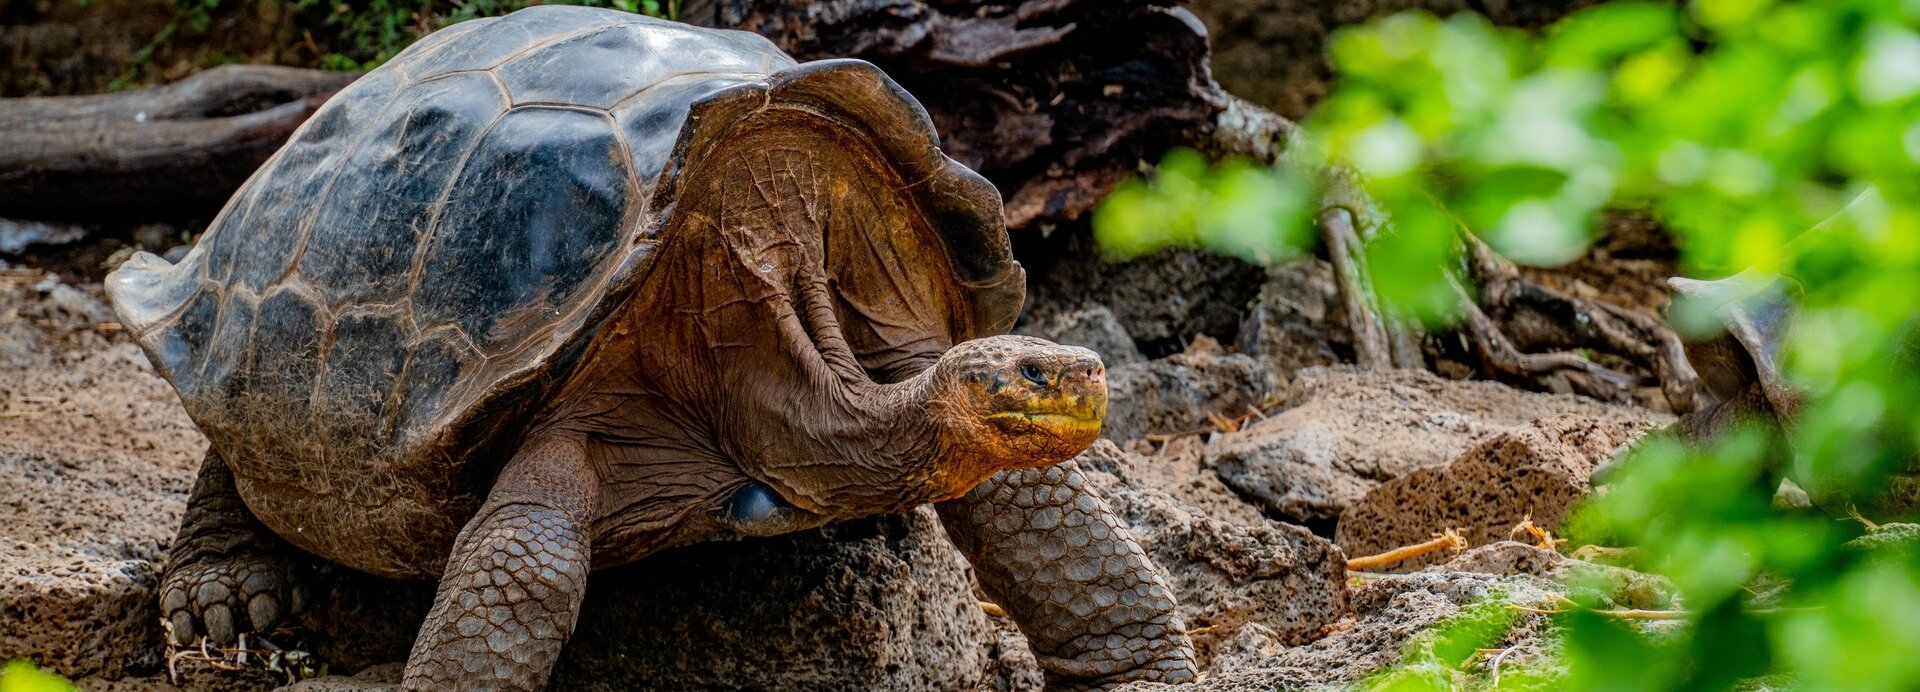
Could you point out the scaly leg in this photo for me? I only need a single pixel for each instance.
(1093, 605)
(512, 589)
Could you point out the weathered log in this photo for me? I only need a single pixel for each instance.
(174, 151)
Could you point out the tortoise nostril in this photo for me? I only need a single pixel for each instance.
(1097, 374)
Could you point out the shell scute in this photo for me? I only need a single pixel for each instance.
(366, 232)
(438, 364)
(527, 227)
(184, 347)
(285, 356)
(506, 37)
(652, 124)
(432, 42)
(224, 376)
(363, 368)
(265, 248)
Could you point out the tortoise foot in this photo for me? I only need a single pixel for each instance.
(223, 597)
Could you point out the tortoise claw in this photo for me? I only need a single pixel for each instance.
(225, 597)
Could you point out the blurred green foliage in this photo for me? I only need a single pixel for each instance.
(1769, 137)
(20, 675)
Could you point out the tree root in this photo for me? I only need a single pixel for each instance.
(1549, 318)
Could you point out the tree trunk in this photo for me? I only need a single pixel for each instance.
(174, 151)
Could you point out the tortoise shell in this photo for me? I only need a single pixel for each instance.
(442, 239)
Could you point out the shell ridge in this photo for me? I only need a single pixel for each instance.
(340, 157)
(663, 81)
(425, 245)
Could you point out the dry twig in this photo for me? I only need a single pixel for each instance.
(1543, 539)
(1447, 539)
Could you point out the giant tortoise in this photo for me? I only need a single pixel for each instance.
(557, 290)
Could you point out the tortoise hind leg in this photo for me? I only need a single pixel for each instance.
(1090, 601)
(227, 574)
(512, 588)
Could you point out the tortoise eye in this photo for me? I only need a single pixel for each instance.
(1033, 374)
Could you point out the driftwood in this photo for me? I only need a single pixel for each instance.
(170, 152)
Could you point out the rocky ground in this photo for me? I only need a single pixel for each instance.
(1245, 458)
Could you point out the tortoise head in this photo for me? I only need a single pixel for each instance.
(1007, 402)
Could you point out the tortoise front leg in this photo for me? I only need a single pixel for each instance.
(1090, 601)
(513, 585)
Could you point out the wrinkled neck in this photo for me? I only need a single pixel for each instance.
(854, 447)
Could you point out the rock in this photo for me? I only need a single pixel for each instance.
(1502, 558)
(1174, 394)
(1346, 431)
(1615, 586)
(1296, 321)
(1396, 615)
(1536, 472)
(1891, 538)
(1389, 615)
(881, 603)
(98, 456)
(370, 678)
(1163, 300)
(17, 236)
(1091, 325)
(1226, 572)
(1014, 669)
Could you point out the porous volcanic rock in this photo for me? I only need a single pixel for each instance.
(1538, 472)
(1091, 325)
(1163, 300)
(1389, 615)
(1297, 321)
(96, 456)
(1173, 395)
(1611, 585)
(878, 603)
(1346, 431)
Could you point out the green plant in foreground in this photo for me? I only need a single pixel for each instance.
(1771, 137)
(20, 675)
